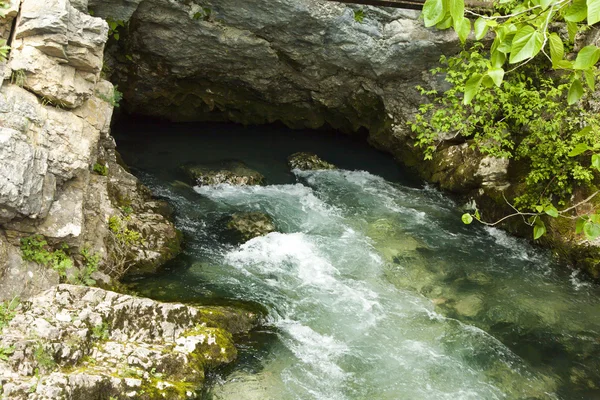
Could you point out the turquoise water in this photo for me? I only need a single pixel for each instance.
(374, 288)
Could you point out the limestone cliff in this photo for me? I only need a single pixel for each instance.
(59, 179)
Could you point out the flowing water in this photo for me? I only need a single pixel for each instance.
(374, 288)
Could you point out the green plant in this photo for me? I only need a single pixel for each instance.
(525, 118)
(6, 352)
(204, 14)
(44, 358)
(90, 265)
(100, 332)
(100, 169)
(127, 210)
(359, 16)
(4, 49)
(123, 240)
(114, 99)
(46, 101)
(7, 312)
(35, 248)
(114, 27)
(18, 77)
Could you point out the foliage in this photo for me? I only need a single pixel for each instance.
(35, 248)
(521, 30)
(6, 352)
(18, 77)
(114, 25)
(90, 265)
(204, 14)
(114, 99)
(7, 312)
(524, 99)
(44, 359)
(100, 169)
(100, 332)
(359, 16)
(122, 240)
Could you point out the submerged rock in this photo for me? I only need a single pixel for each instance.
(308, 162)
(88, 343)
(229, 172)
(245, 226)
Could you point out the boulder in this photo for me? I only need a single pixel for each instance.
(308, 162)
(88, 343)
(227, 172)
(245, 226)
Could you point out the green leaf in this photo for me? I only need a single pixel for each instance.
(596, 161)
(587, 57)
(557, 49)
(579, 226)
(472, 87)
(445, 24)
(572, 29)
(539, 229)
(545, 3)
(433, 12)
(593, 11)
(564, 64)
(462, 28)
(497, 75)
(591, 230)
(576, 12)
(575, 92)
(116, 36)
(590, 78)
(467, 218)
(457, 9)
(481, 28)
(577, 150)
(551, 211)
(526, 44)
(498, 59)
(539, 208)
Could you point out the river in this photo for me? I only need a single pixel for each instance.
(373, 287)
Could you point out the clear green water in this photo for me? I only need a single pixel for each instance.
(374, 288)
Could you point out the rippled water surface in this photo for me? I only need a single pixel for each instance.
(374, 288)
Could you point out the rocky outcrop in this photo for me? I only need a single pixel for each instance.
(88, 343)
(245, 226)
(227, 172)
(308, 162)
(59, 176)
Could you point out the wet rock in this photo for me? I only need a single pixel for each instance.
(245, 226)
(88, 343)
(308, 162)
(228, 172)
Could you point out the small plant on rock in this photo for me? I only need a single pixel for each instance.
(18, 77)
(100, 169)
(35, 248)
(359, 16)
(7, 312)
(6, 352)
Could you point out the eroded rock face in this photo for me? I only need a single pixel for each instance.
(308, 162)
(88, 343)
(229, 172)
(59, 175)
(245, 226)
(58, 51)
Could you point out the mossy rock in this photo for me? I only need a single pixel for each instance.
(245, 226)
(227, 172)
(308, 162)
